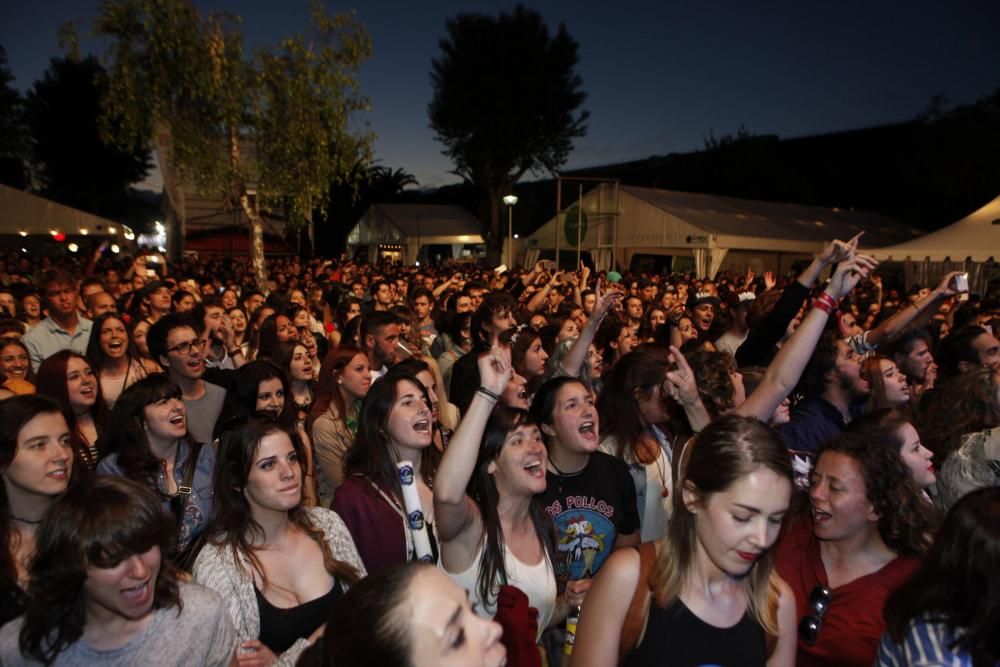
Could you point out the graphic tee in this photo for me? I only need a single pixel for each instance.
(590, 509)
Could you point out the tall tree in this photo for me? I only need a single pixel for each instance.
(506, 101)
(267, 132)
(75, 166)
(13, 144)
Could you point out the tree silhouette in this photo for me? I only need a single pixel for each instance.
(74, 165)
(506, 101)
(13, 144)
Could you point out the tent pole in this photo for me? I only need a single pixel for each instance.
(579, 225)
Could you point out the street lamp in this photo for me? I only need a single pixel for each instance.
(510, 200)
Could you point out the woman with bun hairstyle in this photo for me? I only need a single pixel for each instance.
(708, 592)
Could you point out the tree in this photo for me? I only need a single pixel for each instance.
(75, 166)
(268, 132)
(506, 101)
(13, 147)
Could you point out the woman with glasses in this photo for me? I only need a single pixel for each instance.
(36, 466)
(69, 378)
(114, 357)
(148, 442)
(867, 528)
(279, 565)
(708, 592)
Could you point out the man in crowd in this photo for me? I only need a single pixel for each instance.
(63, 329)
(379, 337)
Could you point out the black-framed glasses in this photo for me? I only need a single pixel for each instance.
(185, 347)
(819, 602)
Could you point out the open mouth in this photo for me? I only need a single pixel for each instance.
(307, 370)
(137, 594)
(59, 474)
(115, 346)
(534, 468)
(422, 426)
(819, 516)
(87, 390)
(177, 420)
(587, 429)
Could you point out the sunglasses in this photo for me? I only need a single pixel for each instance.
(819, 602)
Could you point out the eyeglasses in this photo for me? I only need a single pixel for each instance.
(819, 602)
(185, 347)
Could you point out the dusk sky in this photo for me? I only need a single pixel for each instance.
(659, 75)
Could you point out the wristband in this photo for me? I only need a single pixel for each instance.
(828, 300)
(825, 306)
(488, 394)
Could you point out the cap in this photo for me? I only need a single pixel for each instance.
(614, 277)
(706, 297)
(740, 299)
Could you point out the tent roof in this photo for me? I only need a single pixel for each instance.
(24, 212)
(976, 236)
(429, 219)
(731, 216)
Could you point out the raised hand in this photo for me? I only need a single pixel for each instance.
(495, 369)
(680, 384)
(947, 285)
(849, 273)
(604, 301)
(769, 281)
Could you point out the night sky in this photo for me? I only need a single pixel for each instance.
(660, 75)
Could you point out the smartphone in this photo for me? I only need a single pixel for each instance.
(960, 284)
(150, 273)
(548, 264)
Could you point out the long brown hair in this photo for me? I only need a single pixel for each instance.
(964, 404)
(728, 449)
(327, 390)
(233, 524)
(52, 383)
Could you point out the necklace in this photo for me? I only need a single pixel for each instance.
(28, 521)
(562, 475)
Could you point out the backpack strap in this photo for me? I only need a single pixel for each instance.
(638, 610)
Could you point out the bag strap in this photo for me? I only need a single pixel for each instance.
(638, 610)
(184, 489)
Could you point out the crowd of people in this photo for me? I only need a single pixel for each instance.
(362, 464)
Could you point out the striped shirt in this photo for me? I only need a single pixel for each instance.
(927, 643)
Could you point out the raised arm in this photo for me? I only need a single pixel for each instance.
(456, 514)
(786, 369)
(919, 311)
(538, 298)
(577, 354)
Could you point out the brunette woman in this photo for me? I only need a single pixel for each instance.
(278, 565)
(888, 386)
(333, 420)
(114, 357)
(863, 538)
(36, 464)
(274, 329)
(138, 330)
(949, 611)
(347, 309)
(100, 592)
(16, 373)
(395, 425)
(148, 442)
(296, 362)
(966, 403)
(491, 522)
(261, 389)
(69, 378)
(238, 317)
(707, 593)
(893, 429)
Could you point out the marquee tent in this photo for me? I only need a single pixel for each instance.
(972, 244)
(24, 212)
(399, 231)
(716, 232)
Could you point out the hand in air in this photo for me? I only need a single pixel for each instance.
(604, 301)
(849, 273)
(495, 369)
(680, 384)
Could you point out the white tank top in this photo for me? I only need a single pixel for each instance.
(537, 581)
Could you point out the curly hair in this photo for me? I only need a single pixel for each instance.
(714, 374)
(964, 404)
(907, 522)
(97, 524)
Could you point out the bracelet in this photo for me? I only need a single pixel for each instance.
(828, 300)
(488, 394)
(820, 304)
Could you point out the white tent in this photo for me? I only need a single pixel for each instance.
(398, 231)
(27, 214)
(967, 245)
(715, 232)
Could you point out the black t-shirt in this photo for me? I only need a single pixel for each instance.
(590, 509)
